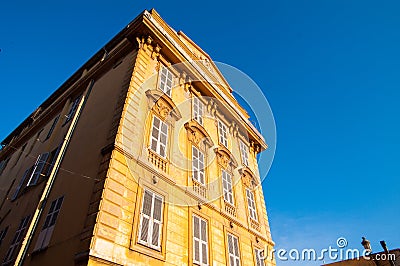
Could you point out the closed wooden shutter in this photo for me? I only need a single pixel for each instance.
(233, 250)
(200, 241)
(151, 220)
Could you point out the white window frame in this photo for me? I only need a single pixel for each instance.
(49, 224)
(259, 257)
(162, 130)
(223, 133)
(151, 220)
(227, 187)
(18, 237)
(233, 250)
(198, 164)
(201, 239)
(198, 110)
(251, 204)
(165, 80)
(38, 169)
(244, 151)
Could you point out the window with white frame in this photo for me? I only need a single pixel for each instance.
(49, 224)
(198, 165)
(198, 110)
(200, 241)
(244, 151)
(251, 204)
(19, 235)
(227, 187)
(159, 136)
(151, 220)
(223, 133)
(165, 80)
(259, 253)
(233, 250)
(38, 168)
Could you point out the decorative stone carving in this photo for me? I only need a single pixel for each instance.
(248, 178)
(197, 134)
(162, 105)
(225, 157)
(212, 108)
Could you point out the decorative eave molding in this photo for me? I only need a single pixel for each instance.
(173, 41)
(162, 104)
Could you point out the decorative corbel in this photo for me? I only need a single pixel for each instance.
(234, 129)
(212, 107)
(156, 51)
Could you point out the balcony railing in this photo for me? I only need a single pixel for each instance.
(158, 161)
(254, 225)
(199, 189)
(230, 209)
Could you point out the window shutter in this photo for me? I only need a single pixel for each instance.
(21, 183)
(146, 212)
(157, 221)
(233, 250)
(196, 238)
(259, 257)
(151, 220)
(38, 168)
(204, 247)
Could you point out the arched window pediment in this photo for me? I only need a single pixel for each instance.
(225, 157)
(248, 177)
(197, 134)
(162, 105)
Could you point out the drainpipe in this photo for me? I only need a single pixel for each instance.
(42, 202)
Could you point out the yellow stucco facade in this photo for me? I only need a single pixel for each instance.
(172, 174)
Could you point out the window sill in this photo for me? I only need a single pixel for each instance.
(148, 251)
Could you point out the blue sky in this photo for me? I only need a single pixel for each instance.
(330, 71)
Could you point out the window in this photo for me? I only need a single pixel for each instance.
(21, 151)
(251, 204)
(52, 127)
(244, 150)
(19, 235)
(3, 165)
(72, 110)
(200, 241)
(38, 169)
(22, 183)
(151, 220)
(3, 234)
(198, 165)
(233, 249)
(165, 80)
(49, 224)
(227, 187)
(223, 133)
(159, 137)
(198, 108)
(259, 257)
